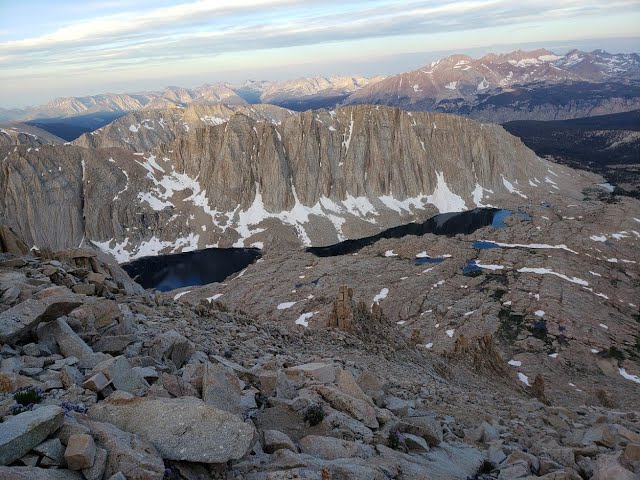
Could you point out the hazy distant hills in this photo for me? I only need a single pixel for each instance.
(326, 91)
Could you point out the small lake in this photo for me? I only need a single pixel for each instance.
(484, 245)
(425, 260)
(200, 267)
(444, 224)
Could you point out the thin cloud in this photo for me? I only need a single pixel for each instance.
(139, 37)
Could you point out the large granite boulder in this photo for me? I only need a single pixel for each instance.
(21, 433)
(180, 428)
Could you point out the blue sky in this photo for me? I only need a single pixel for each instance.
(51, 48)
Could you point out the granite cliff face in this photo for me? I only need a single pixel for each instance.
(144, 130)
(314, 179)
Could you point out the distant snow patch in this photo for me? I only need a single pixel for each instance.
(181, 294)
(509, 186)
(532, 245)
(515, 363)
(285, 305)
(523, 378)
(444, 199)
(628, 376)
(214, 297)
(546, 271)
(304, 319)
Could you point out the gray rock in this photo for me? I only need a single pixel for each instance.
(221, 388)
(284, 388)
(11, 365)
(181, 428)
(275, 440)
(122, 376)
(97, 382)
(347, 384)
(35, 473)
(70, 344)
(34, 349)
(343, 426)
(426, 427)
(70, 375)
(22, 432)
(147, 372)
(84, 289)
(81, 452)
(358, 409)
(127, 453)
(69, 427)
(53, 450)
(322, 372)
(609, 467)
(114, 343)
(172, 346)
(532, 460)
(96, 471)
(18, 321)
(414, 442)
(519, 469)
(330, 448)
(117, 476)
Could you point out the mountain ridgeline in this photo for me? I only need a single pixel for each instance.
(521, 85)
(315, 179)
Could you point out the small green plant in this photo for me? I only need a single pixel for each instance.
(314, 414)
(498, 293)
(28, 395)
(472, 273)
(394, 439)
(614, 352)
(486, 468)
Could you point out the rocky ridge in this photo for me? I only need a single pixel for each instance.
(145, 130)
(261, 400)
(318, 177)
(23, 134)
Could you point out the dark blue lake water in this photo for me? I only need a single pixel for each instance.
(201, 267)
(423, 260)
(444, 224)
(484, 245)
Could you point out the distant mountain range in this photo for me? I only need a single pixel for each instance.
(326, 91)
(521, 85)
(535, 85)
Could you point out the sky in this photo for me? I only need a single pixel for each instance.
(51, 48)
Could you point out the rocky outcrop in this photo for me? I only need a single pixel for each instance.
(314, 179)
(24, 134)
(144, 130)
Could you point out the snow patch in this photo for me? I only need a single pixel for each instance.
(381, 296)
(285, 305)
